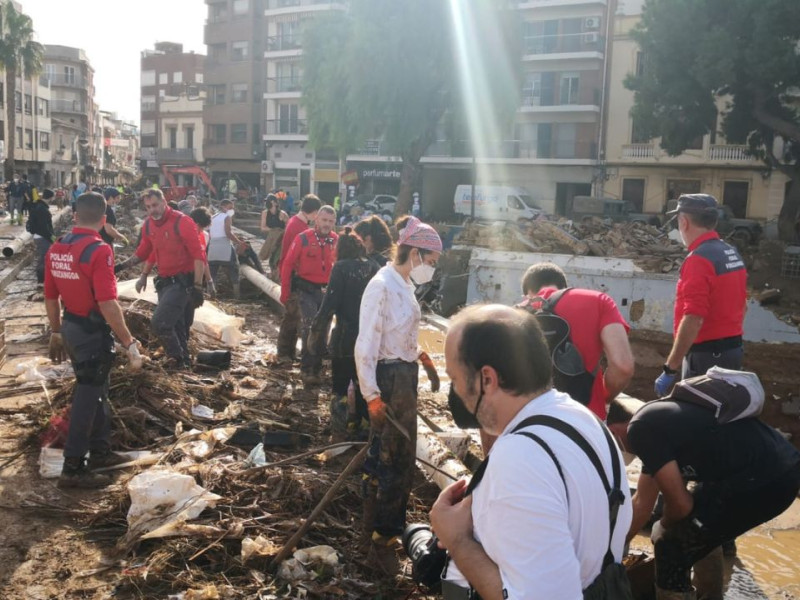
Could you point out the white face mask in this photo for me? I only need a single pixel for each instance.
(422, 273)
(230, 212)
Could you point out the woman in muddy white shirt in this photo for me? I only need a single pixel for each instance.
(386, 355)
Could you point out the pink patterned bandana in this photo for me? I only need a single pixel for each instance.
(419, 235)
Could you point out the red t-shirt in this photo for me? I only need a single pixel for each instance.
(294, 227)
(79, 268)
(172, 243)
(588, 312)
(712, 285)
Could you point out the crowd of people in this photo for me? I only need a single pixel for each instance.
(549, 512)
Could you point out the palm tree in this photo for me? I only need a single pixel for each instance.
(20, 56)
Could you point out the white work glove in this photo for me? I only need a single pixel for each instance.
(141, 283)
(211, 289)
(135, 360)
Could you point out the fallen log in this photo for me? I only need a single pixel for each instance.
(441, 465)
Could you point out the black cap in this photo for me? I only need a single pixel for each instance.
(48, 193)
(110, 192)
(695, 203)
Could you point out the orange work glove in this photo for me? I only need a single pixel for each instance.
(430, 370)
(377, 413)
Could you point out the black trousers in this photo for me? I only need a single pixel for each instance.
(698, 362)
(722, 512)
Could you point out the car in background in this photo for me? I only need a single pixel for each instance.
(383, 205)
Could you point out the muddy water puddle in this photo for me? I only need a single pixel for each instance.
(767, 565)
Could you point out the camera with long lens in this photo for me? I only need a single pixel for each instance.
(427, 559)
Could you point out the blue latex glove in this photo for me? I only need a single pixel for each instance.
(664, 384)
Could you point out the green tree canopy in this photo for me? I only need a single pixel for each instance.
(20, 56)
(744, 53)
(389, 70)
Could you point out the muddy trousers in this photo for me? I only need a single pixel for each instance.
(91, 355)
(301, 308)
(173, 312)
(42, 246)
(15, 203)
(390, 464)
(722, 512)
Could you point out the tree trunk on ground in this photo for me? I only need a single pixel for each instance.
(790, 213)
(11, 116)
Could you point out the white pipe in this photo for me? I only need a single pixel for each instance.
(269, 287)
(17, 244)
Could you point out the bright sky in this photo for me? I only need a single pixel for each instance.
(113, 33)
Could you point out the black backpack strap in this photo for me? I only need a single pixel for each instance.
(550, 304)
(550, 453)
(147, 226)
(614, 494)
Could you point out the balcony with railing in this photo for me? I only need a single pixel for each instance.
(713, 153)
(638, 151)
(539, 46)
(278, 127)
(732, 153)
(274, 8)
(283, 43)
(61, 79)
(284, 85)
(67, 106)
(175, 154)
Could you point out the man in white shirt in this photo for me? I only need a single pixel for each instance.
(538, 525)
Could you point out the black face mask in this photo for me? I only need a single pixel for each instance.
(463, 418)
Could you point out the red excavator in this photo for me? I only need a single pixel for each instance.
(173, 191)
(227, 187)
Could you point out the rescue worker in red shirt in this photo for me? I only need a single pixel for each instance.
(305, 272)
(80, 274)
(596, 329)
(710, 298)
(170, 239)
(287, 338)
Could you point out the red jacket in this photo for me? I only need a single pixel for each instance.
(172, 243)
(712, 285)
(79, 268)
(310, 258)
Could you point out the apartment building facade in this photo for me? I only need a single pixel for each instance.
(233, 115)
(290, 163)
(33, 139)
(639, 171)
(75, 136)
(120, 150)
(171, 109)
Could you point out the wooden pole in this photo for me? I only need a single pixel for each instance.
(326, 499)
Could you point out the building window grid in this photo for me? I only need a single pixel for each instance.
(239, 92)
(238, 133)
(239, 50)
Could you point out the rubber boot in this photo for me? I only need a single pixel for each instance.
(75, 474)
(708, 575)
(670, 595)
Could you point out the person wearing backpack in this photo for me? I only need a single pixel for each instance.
(586, 321)
(40, 224)
(744, 472)
(170, 241)
(533, 522)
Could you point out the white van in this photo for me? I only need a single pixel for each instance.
(496, 203)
